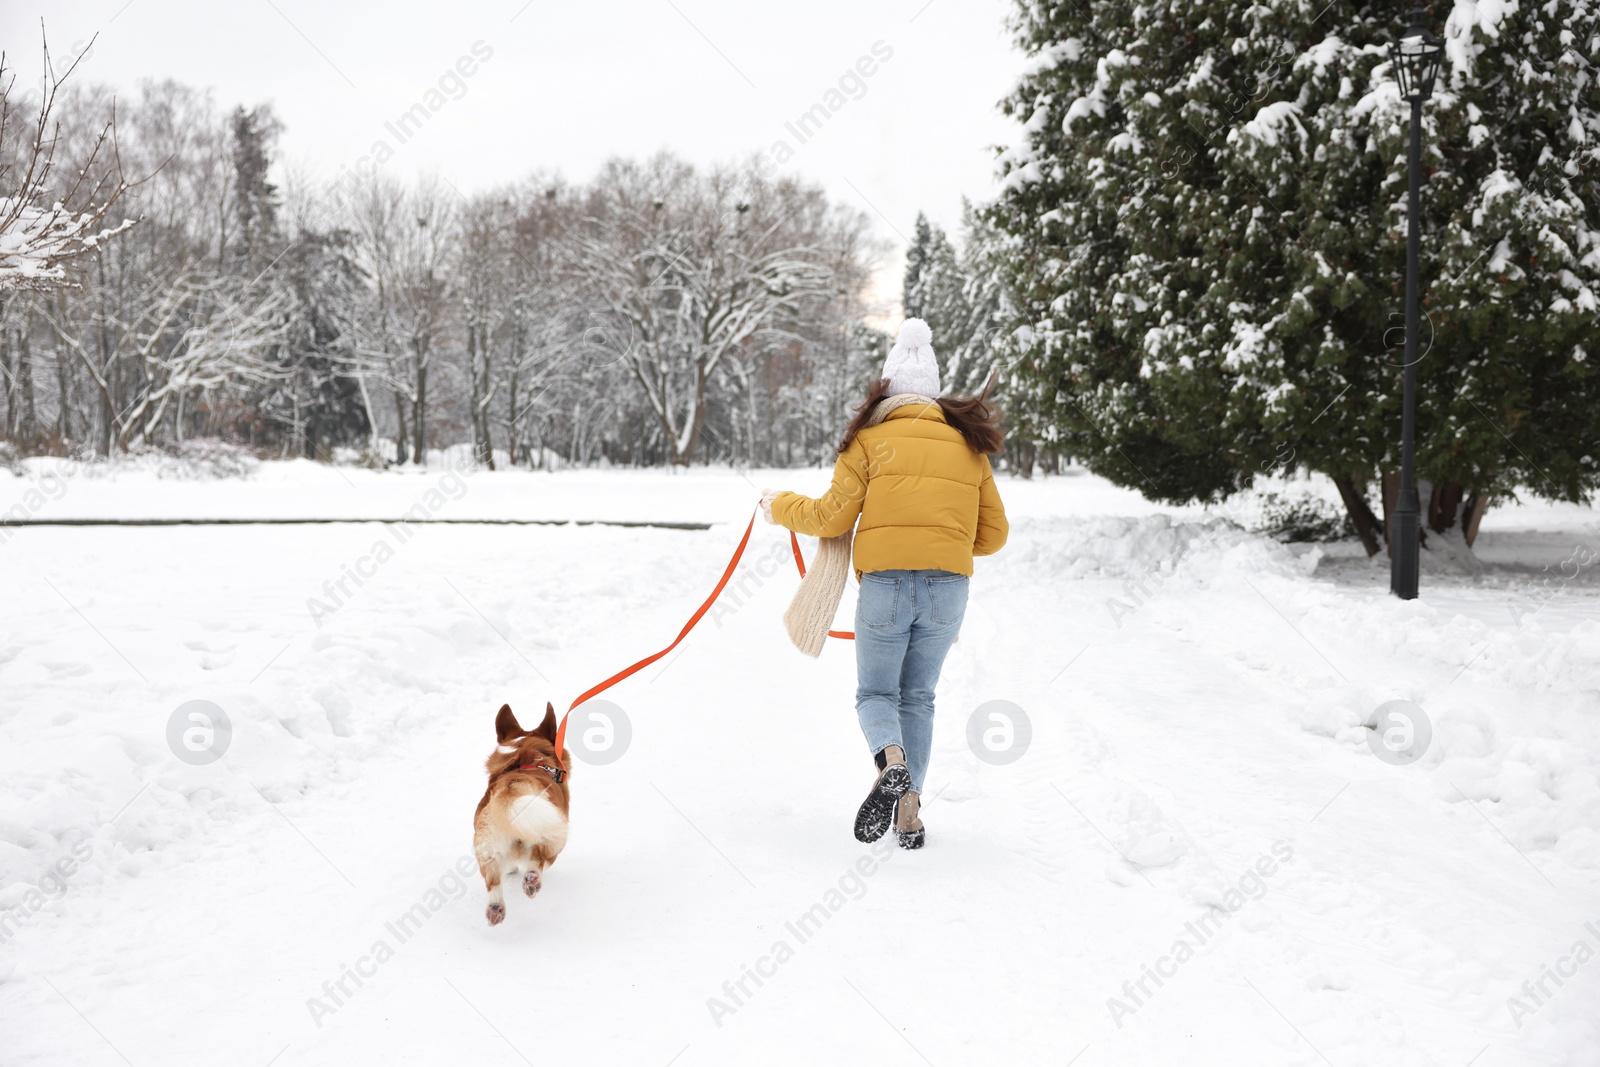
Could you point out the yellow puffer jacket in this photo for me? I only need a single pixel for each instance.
(925, 499)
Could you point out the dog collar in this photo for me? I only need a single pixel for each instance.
(554, 772)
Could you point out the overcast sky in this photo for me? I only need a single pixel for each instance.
(564, 85)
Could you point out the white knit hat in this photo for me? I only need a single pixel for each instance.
(911, 366)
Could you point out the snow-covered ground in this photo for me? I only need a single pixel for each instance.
(1197, 858)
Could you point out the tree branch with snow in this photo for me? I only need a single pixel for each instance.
(46, 226)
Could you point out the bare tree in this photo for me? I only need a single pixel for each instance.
(692, 271)
(197, 339)
(425, 248)
(658, 314)
(485, 248)
(45, 228)
(543, 336)
(406, 238)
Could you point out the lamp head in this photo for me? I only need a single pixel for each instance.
(1417, 56)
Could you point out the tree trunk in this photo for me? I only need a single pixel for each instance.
(1020, 458)
(30, 427)
(511, 424)
(419, 423)
(401, 421)
(475, 396)
(9, 428)
(107, 371)
(296, 441)
(63, 379)
(697, 420)
(1361, 516)
(1445, 510)
(1391, 497)
(485, 396)
(474, 378)
(1477, 504)
(372, 416)
(1443, 503)
(108, 430)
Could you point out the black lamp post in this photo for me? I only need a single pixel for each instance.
(1416, 65)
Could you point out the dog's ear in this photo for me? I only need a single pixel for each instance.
(547, 729)
(505, 724)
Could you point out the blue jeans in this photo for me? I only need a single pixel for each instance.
(906, 622)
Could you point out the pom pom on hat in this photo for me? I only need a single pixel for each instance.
(914, 333)
(912, 366)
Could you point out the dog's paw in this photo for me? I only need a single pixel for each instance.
(531, 884)
(496, 914)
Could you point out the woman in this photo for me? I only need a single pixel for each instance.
(915, 470)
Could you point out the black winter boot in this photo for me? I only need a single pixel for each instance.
(877, 811)
(908, 828)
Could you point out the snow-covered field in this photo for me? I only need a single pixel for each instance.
(1196, 859)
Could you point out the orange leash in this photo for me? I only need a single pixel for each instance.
(722, 583)
(799, 562)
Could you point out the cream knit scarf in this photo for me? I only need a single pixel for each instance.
(817, 600)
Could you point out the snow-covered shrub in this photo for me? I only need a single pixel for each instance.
(1302, 518)
(198, 459)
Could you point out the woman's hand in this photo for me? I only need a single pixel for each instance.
(767, 497)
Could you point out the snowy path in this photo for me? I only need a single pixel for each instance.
(1175, 758)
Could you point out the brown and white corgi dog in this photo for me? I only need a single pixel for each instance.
(521, 823)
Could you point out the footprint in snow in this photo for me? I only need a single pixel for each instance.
(212, 657)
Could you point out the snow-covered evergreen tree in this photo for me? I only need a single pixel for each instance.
(988, 314)
(961, 295)
(916, 260)
(322, 403)
(1207, 216)
(255, 198)
(934, 285)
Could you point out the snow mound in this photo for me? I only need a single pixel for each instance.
(1155, 545)
(1507, 705)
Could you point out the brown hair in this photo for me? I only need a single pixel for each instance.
(974, 417)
